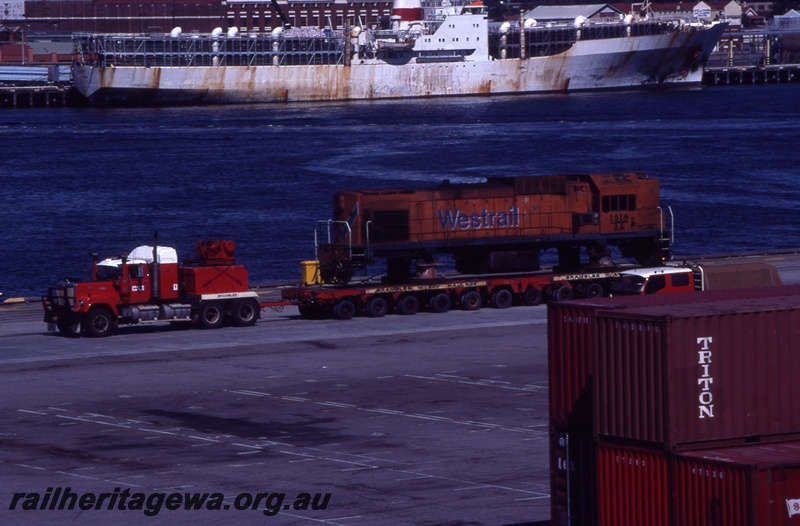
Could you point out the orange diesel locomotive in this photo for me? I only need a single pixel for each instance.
(501, 225)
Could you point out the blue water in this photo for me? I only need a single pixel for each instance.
(81, 180)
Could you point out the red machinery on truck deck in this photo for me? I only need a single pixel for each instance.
(150, 285)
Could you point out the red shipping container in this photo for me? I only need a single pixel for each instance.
(632, 487)
(755, 485)
(572, 490)
(699, 375)
(571, 327)
(752, 485)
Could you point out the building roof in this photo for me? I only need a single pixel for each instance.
(789, 14)
(673, 7)
(568, 12)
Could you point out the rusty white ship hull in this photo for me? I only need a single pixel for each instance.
(674, 58)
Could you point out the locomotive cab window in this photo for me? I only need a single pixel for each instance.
(390, 225)
(616, 203)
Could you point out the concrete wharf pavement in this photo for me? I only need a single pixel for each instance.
(430, 419)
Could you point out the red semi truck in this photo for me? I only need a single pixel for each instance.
(148, 285)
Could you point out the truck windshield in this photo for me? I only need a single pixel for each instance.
(108, 272)
(629, 285)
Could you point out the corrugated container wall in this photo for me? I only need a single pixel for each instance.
(753, 485)
(632, 487)
(686, 376)
(756, 485)
(572, 489)
(570, 328)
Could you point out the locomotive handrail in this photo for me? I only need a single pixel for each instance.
(328, 223)
(366, 227)
(671, 222)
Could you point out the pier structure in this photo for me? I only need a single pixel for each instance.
(21, 96)
(765, 56)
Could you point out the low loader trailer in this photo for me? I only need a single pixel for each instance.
(440, 294)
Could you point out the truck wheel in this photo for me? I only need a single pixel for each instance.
(212, 316)
(594, 290)
(344, 310)
(532, 296)
(377, 308)
(245, 312)
(502, 299)
(99, 322)
(562, 293)
(471, 300)
(440, 303)
(408, 305)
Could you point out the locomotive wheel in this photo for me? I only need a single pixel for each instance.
(212, 316)
(594, 290)
(502, 299)
(532, 296)
(440, 303)
(562, 293)
(344, 310)
(99, 322)
(377, 308)
(408, 305)
(471, 300)
(245, 312)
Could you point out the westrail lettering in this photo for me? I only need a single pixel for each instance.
(455, 220)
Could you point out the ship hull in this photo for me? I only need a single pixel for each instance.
(668, 60)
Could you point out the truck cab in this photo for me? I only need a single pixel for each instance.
(110, 270)
(142, 276)
(658, 280)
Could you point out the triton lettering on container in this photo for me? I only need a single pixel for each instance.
(698, 375)
(501, 225)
